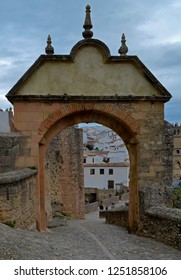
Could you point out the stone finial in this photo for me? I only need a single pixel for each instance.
(123, 49)
(87, 34)
(49, 49)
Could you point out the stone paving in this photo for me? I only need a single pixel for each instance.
(89, 239)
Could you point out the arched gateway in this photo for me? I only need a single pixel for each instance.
(91, 85)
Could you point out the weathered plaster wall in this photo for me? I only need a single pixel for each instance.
(87, 75)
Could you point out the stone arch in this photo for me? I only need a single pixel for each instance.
(113, 110)
(106, 114)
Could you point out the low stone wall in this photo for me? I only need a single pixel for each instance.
(17, 194)
(108, 201)
(117, 217)
(96, 194)
(105, 194)
(162, 223)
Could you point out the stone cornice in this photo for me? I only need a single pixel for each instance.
(73, 98)
(16, 176)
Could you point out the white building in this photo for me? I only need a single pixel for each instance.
(6, 121)
(106, 166)
(106, 176)
(104, 139)
(96, 156)
(110, 156)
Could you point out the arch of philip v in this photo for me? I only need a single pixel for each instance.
(91, 85)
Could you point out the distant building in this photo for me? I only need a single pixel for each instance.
(103, 145)
(106, 176)
(106, 160)
(6, 121)
(177, 152)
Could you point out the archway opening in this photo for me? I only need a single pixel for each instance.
(90, 157)
(106, 166)
(121, 128)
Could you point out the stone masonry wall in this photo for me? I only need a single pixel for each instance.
(177, 198)
(177, 152)
(64, 174)
(158, 189)
(163, 224)
(12, 146)
(17, 194)
(117, 217)
(160, 222)
(156, 159)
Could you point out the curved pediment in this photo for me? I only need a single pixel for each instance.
(99, 45)
(89, 72)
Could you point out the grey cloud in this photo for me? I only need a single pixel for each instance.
(172, 109)
(25, 25)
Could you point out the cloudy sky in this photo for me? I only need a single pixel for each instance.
(152, 29)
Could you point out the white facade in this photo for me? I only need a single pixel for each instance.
(107, 165)
(4, 121)
(112, 156)
(106, 176)
(95, 156)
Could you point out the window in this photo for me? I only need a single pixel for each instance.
(105, 159)
(92, 171)
(84, 160)
(111, 184)
(110, 171)
(178, 151)
(101, 171)
(93, 160)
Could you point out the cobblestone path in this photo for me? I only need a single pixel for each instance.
(89, 239)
